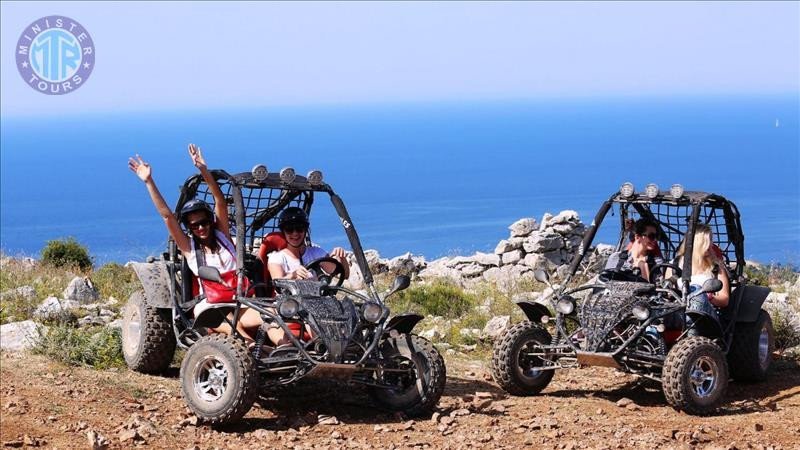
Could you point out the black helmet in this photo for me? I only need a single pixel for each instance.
(193, 206)
(292, 215)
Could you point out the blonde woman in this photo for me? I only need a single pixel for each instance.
(706, 264)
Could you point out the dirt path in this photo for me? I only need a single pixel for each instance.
(44, 404)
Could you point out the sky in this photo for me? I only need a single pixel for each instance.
(171, 56)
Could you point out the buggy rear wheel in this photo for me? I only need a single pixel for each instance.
(148, 342)
(418, 388)
(750, 357)
(695, 375)
(218, 379)
(513, 367)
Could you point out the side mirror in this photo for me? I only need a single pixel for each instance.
(541, 276)
(400, 283)
(712, 285)
(209, 273)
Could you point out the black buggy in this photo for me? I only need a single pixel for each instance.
(335, 332)
(617, 319)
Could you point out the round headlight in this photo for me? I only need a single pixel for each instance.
(651, 190)
(676, 191)
(626, 189)
(565, 305)
(259, 173)
(372, 312)
(288, 308)
(314, 177)
(287, 175)
(641, 312)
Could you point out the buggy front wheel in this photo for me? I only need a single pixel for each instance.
(148, 342)
(695, 375)
(413, 373)
(219, 379)
(516, 362)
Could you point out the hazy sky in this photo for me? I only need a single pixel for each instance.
(153, 56)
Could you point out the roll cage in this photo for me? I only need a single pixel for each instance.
(676, 219)
(253, 207)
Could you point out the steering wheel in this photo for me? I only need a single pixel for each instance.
(325, 277)
(662, 269)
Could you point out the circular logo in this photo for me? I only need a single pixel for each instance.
(55, 55)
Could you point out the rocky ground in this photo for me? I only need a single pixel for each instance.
(48, 405)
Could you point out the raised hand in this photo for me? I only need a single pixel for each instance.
(197, 157)
(140, 168)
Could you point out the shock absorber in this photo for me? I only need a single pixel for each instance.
(261, 335)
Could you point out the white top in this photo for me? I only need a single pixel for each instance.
(223, 260)
(701, 278)
(290, 264)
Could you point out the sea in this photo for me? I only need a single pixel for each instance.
(434, 179)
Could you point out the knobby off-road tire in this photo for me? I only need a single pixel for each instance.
(695, 375)
(750, 356)
(515, 372)
(148, 342)
(418, 395)
(219, 379)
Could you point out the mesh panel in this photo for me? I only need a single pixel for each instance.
(673, 223)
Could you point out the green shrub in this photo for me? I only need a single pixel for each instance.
(771, 275)
(66, 253)
(115, 280)
(440, 298)
(786, 324)
(99, 348)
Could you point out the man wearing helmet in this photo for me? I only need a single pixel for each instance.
(208, 242)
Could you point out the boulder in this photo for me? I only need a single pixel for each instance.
(17, 336)
(563, 228)
(471, 270)
(82, 290)
(537, 261)
(541, 242)
(566, 216)
(487, 259)
(24, 292)
(406, 264)
(496, 326)
(523, 227)
(503, 247)
(49, 309)
(545, 221)
(458, 261)
(512, 257)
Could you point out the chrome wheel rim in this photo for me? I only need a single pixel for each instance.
(210, 379)
(132, 330)
(703, 376)
(763, 348)
(528, 366)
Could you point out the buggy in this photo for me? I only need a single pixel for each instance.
(335, 332)
(619, 320)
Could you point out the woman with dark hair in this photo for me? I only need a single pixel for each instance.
(208, 242)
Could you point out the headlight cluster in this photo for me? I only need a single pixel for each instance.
(641, 311)
(651, 190)
(372, 312)
(565, 305)
(259, 173)
(288, 308)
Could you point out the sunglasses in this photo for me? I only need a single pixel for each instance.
(199, 224)
(651, 236)
(294, 229)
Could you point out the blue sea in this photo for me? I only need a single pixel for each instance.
(434, 179)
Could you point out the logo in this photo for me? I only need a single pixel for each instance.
(55, 55)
